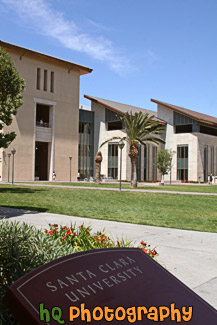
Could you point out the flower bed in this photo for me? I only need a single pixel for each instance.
(81, 239)
(23, 248)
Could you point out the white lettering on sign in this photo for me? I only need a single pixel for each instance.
(113, 273)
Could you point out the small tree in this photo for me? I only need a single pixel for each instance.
(163, 162)
(11, 87)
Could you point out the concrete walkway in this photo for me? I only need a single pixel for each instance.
(114, 189)
(189, 255)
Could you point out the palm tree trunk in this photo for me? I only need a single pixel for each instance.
(97, 181)
(134, 181)
(98, 160)
(131, 178)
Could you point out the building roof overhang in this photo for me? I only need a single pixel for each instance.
(122, 109)
(199, 117)
(21, 51)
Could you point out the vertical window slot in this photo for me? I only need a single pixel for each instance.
(52, 82)
(45, 80)
(38, 78)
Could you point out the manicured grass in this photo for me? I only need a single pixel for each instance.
(167, 187)
(166, 210)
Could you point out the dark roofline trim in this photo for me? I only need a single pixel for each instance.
(103, 104)
(115, 110)
(69, 65)
(179, 110)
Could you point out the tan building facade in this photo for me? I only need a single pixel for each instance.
(54, 135)
(47, 123)
(106, 126)
(192, 137)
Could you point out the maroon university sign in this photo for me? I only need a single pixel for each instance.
(105, 286)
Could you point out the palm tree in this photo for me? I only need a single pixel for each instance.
(139, 129)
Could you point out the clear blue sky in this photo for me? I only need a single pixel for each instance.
(138, 49)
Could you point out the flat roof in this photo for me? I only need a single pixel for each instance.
(23, 51)
(120, 108)
(203, 118)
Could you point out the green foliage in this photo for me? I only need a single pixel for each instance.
(163, 161)
(11, 87)
(23, 248)
(140, 129)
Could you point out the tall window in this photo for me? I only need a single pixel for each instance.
(38, 78)
(86, 143)
(212, 160)
(52, 82)
(182, 162)
(113, 160)
(154, 160)
(138, 165)
(145, 163)
(45, 80)
(205, 165)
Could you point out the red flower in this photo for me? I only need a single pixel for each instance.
(143, 243)
(62, 239)
(118, 243)
(46, 231)
(51, 232)
(78, 244)
(74, 233)
(65, 228)
(154, 253)
(55, 225)
(146, 250)
(68, 233)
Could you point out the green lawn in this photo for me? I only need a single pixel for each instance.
(167, 187)
(166, 210)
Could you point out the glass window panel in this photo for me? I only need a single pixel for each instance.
(113, 160)
(186, 152)
(182, 162)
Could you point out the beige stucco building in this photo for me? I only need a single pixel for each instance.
(106, 126)
(51, 129)
(192, 137)
(47, 123)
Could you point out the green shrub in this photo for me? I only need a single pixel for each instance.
(23, 248)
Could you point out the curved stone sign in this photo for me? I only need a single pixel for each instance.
(114, 285)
